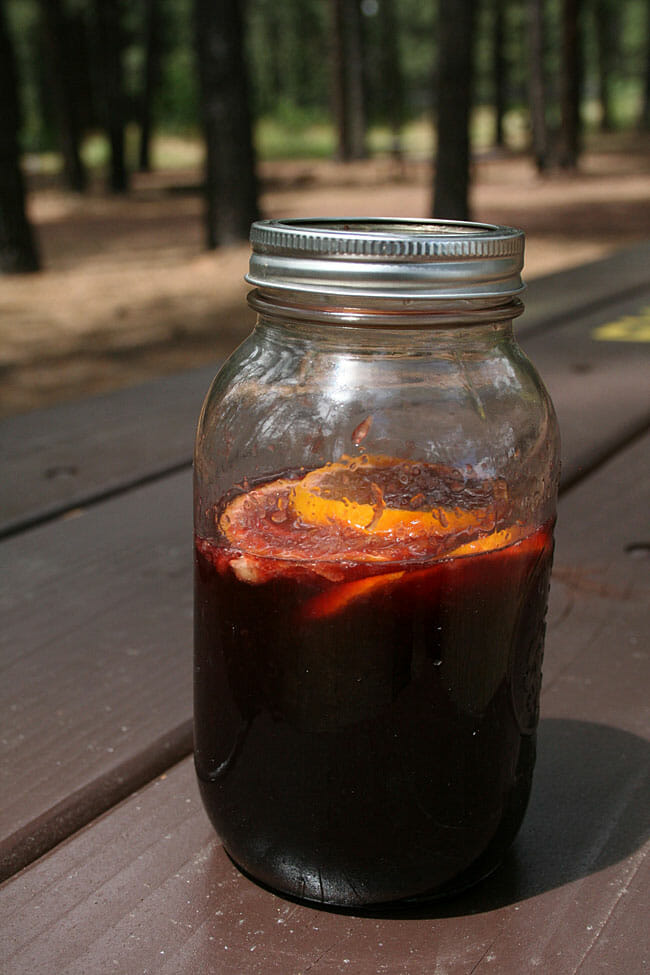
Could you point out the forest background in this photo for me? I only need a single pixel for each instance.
(139, 139)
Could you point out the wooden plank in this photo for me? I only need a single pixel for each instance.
(600, 387)
(618, 948)
(554, 298)
(148, 887)
(95, 662)
(66, 456)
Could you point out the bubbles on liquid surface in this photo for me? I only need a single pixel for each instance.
(366, 509)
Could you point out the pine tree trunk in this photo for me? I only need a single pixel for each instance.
(151, 75)
(454, 98)
(61, 55)
(17, 247)
(393, 87)
(109, 43)
(231, 183)
(348, 82)
(537, 85)
(499, 68)
(570, 85)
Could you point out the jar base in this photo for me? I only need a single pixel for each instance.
(470, 878)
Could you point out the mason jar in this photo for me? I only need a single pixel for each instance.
(376, 475)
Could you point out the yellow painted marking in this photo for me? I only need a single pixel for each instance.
(630, 328)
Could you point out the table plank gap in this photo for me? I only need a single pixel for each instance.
(87, 803)
(89, 500)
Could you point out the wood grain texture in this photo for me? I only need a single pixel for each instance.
(95, 661)
(600, 389)
(554, 298)
(64, 457)
(148, 888)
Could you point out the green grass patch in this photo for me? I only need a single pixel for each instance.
(293, 134)
(279, 139)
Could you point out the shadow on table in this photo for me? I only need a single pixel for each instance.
(588, 810)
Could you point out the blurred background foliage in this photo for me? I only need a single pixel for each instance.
(288, 46)
(115, 86)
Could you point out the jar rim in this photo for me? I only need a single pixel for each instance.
(383, 313)
(387, 257)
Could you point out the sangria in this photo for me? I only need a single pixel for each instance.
(369, 639)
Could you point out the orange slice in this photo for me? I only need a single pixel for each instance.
(369, 509)
(333, 600)
(339, 596)
(487, 543)
(357, 493)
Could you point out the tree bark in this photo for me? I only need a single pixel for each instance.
(152, 28)
(570, 85)
(348, 83)
(499, 69)
(231, 183)
(537, 85)
(62, 53)
(109, 42)
(393, 86)
(17, 246)
(454, 98)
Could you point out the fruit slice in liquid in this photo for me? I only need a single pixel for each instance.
(366, 692)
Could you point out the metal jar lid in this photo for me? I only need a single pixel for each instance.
(387, 258)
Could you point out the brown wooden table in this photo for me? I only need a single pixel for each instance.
(109, 862)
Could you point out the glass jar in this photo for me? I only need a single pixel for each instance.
(376, 475)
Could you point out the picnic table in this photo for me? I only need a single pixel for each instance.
(108, 860)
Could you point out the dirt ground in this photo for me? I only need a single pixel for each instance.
(127, 293)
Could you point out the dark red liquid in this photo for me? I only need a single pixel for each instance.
(380, 748)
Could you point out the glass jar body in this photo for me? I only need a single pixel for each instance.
(365, 717)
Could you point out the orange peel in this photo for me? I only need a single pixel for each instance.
(343, 594)
(333, 600)
(335, 494)
(312, 508)
(369, 509)
(487, 543)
